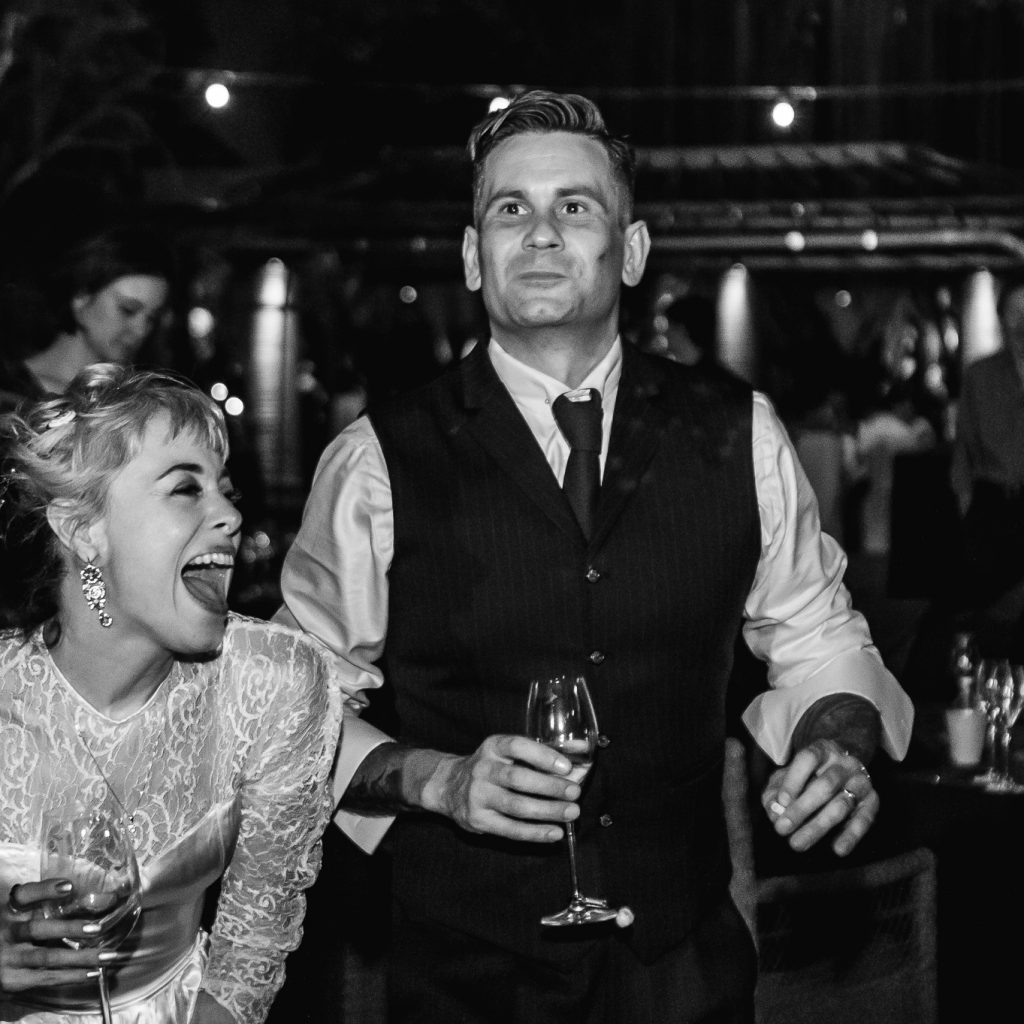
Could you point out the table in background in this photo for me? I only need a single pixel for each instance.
(978, 839)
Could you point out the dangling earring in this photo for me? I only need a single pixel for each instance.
(95, 591)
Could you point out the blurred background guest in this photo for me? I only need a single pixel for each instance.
(99, 305)
(690, 330)
(987, 474)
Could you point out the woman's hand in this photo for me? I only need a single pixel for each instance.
(32, 954)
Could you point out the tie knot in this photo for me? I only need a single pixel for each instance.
(579, 419)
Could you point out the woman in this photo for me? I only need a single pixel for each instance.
(107, 296)
(129, 679)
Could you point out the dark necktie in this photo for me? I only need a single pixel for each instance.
(580, 423)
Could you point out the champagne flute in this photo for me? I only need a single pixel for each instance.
(89, 847)
(559, 714)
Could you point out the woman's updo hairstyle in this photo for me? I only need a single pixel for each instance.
(68, 449)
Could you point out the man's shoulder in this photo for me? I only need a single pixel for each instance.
(709, 380)
(440, 392)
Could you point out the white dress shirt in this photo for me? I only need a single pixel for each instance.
(798, 615)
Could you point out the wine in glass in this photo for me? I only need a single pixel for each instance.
(89, 848)
(560, 715)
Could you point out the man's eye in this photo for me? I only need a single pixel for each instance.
(512, 209)
(574, 207)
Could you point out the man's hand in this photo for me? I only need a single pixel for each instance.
(511, 786)
(505, 788)
(822, 788)
(31, 952)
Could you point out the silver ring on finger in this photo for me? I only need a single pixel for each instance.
(851, 797)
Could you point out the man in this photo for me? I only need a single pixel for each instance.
(439, 555)
(987, 475)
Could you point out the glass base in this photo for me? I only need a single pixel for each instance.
(584, 910)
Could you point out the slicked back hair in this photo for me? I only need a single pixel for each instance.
(543, 111)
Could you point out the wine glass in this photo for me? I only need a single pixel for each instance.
(986, 697)
(89, 847)
(559, 714)
(1011, 702)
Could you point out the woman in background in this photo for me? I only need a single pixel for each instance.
(103, 301)
(128, 680)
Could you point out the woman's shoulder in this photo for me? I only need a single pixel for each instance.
(273, 648)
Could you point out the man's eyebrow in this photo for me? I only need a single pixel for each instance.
(587, 191)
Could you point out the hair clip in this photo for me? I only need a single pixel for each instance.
(62, 419)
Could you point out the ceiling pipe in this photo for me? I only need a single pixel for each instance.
(869, 240)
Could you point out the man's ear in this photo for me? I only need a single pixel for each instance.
(637, 246)
(471, 258)
(86, 541)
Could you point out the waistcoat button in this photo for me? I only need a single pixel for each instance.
(602, 740)
(596, 657)
(605, 820)
(593, 575)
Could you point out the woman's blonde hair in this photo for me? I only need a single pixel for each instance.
(68, 449)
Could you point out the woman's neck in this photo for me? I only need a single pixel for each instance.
(56, 366)
(115, 674)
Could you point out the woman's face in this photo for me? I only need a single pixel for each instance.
(116, 320)
(167, 543)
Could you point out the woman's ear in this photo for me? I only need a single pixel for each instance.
(78, 303)
(86, 541)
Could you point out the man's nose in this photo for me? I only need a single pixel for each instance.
(543, 233)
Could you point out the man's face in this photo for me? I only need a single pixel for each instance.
(550, 248)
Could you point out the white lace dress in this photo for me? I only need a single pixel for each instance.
(224, 772)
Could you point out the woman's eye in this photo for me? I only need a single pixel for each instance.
(234, 495)
(187, 488)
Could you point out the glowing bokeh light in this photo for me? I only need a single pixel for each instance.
(219, 391)
(217, 95)
(200, 322)
(783, 114)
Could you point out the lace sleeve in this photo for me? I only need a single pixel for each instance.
(285, 687)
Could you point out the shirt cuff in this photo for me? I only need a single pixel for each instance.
(773, 716)
(358, 738)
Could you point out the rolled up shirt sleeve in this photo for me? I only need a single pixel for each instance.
(334, 585)
(799, 617)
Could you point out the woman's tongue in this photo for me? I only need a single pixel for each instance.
(209, 586)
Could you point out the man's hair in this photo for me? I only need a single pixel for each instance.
(542, 111)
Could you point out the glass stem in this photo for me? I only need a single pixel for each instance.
(108, 1017)
(991, 743)
(570, 838)
(1004, 753)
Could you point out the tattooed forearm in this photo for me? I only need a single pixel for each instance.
(390, 779)
(851, 721)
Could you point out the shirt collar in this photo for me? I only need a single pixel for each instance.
(529, 386)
